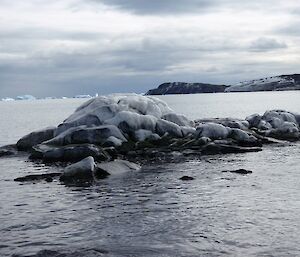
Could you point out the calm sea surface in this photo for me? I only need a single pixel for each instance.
(152, 212)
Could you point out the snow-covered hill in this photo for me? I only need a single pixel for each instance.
(276, 83)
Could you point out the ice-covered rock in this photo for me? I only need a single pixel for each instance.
(178, 119)
(286, 130)
(36, 137)
(84, 134)
(227, 122)
(129, 113)
(164, 126)
(253, 120)
(79, 171)
(142, 135)
(212, 130)
(243, 137)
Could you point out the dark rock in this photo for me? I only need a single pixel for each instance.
(186, 178)
(68, 153)
(49, 179)
(8, 150)
(35, 177)
(185, 88)
(239, 171)
(34, 138)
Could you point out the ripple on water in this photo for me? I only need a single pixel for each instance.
(153, 213)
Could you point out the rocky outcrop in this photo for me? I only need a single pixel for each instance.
(276, 83)
(186, 88)
(140, 128)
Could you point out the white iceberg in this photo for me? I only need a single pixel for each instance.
(7, 99)
(25, 97)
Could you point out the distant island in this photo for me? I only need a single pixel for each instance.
(275, 83)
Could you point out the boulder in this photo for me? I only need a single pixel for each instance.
(253, 120)
(178, 119)
(212, 131)
(83, 134)
(79, 171)
(69, 152)
(278, 117)
(227, 122)
(243, 138)
(286, 131)
(142, 135)
(163, 126)
(116, 167)
(36, 137)
(8, 150)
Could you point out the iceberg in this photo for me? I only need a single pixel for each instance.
(7, 99)
(25, 97)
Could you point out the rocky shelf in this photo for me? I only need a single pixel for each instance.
(109, 135)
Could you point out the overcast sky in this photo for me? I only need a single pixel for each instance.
(69, 47)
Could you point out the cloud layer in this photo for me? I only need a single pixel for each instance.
(70, 47)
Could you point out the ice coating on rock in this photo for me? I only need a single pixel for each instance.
(129, 113)
(82, 170)
(84, 134)
(212, 130)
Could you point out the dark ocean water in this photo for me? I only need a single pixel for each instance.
(152, 212)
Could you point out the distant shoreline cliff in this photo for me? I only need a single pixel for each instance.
(275, 83)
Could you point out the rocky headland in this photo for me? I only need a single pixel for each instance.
(116, 134)
(276, 83)
(186, 88)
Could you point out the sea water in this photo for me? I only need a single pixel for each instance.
(152, 212)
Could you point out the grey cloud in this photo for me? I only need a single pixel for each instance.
(153, 7)
(158, 6)
(292, 29)
(266, 44)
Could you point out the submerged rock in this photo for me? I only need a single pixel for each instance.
(239, 171)
(34, 177)
(116, 167)
(186, 178)
(68, 253)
